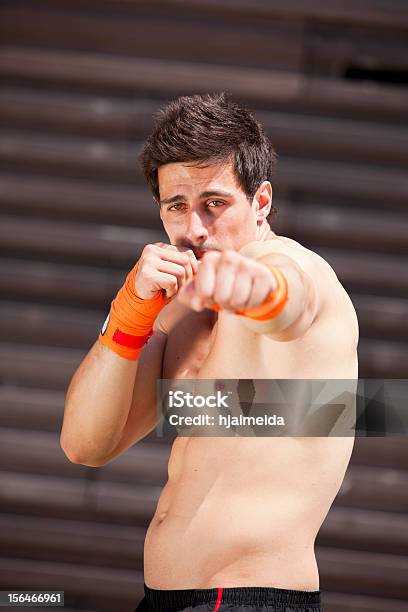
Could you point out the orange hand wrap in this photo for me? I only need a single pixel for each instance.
(129, 323)
(274, 303)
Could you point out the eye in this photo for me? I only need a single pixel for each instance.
(217, 203)
(174, 207)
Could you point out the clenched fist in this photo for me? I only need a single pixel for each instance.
(230, 280)
(164, 266)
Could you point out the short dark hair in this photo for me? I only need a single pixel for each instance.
(207, 129)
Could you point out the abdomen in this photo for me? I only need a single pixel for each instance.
(239, 501)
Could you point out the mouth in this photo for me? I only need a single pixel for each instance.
(199, 253)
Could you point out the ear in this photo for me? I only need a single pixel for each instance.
(263, 201)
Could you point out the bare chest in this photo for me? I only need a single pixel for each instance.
(199, 347)
(188, 345)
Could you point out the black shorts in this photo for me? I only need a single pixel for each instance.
(223, 599)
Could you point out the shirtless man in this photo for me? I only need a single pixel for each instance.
(236, 522)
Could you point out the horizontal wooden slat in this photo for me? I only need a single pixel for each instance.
(146, 75)
(364, 530)
(37, 452)
(73, 498)
(339, 602)
(368, 272)
(30, 366)
(107, 244)
(337, 227)
(295, 134)
(69, 112)
(363, 572)
(36, 409)
(340, 12)
(70, 156)
(345, 182)
(380, 359)
(118, 587)
(60, 283)
(50, 325)
(67, 609)
(277, 44)
(338, 50)
(43, 455)
(86, 543)
(385, 452)
(27, 492)
(381, 317)
(361, 487)
(70, 199)
(145, 34)
(117, 118)
(390, 13)
(90, 72)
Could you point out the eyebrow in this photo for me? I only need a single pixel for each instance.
(204, 194)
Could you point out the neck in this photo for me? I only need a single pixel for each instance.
(264, 232)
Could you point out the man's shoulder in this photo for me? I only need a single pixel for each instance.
(310, 261)
(337, 307)
(335, 301)
(336, 316)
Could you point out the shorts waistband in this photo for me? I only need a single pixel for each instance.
(173, 598)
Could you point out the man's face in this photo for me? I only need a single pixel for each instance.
(204, 208)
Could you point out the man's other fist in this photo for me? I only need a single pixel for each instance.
(164, 266)
(230, 280)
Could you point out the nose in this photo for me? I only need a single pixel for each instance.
(196, 230)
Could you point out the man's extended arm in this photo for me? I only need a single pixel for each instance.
(240, 283)
(303, 302)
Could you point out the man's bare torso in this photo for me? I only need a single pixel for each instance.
(245, 511)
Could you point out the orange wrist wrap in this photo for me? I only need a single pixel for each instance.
(129, 323)
(274, 303)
